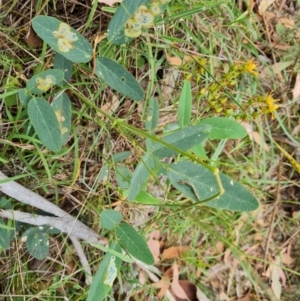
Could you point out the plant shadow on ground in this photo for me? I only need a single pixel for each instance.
(226, 251)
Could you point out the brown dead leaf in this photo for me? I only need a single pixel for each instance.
(255, 136)
(263, 6)
(176, 61)
(164, 283)
(174, 252)
(275, 69)
(32, 39)
(286, 255)
(154, 245)
(220, 247)
(109, 2)
(288, 23)
(110, 107)
(175, 285)
(296, 90)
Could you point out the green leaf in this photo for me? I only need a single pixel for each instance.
(42, 82)
(185, 104)
(6, 235)
(140, 176)
(133, 243)
(63, 39)
(184, 139)
(224, 128)
(24, 96)
(123, 176)
(45, 123)
(152, 114)
(115, 32)
(62, 109)
(118, 78)
(110, 218)
(199, 183)
(121, 156)
(37, 242)
(105, 276)
(61, 63)
(144, 197)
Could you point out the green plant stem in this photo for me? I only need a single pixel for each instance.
(145, 134)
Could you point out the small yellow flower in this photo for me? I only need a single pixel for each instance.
(250, 67)
(272, 107)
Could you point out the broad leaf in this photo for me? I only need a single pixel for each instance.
(199, 183)
(6, 235)
(105, 276)
(24, 96)
(152, 114)
(42, 82)
(62, 109)
(45, 123)
(185, 104)
(133, 243)
(140, 176)
(118, 78)
(37, 242)
(224, 128)
(110, 218)
(117, 24)
(63, 39)
(123, 176)
(184, 139)
(65, 65)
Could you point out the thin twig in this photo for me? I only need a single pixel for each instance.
(277, 200)
(72, 225)
(83, 260)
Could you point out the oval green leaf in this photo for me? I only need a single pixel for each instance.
(42, 82)
(184, 139)
(105, 276)
(45, 123)
(185, 104)
(224, 128)
(6, 235)
(140, 176)
(37, 242)
(110, 218)
(199, 183)
(61, 63)
(63, 39)
(118, 78)
(24, 96)
(62, 109)
(115, 32)
(133, 243)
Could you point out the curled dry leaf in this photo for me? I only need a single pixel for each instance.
(174, 252)
(32, 39)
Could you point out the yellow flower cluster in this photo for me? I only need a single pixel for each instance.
(143, 18)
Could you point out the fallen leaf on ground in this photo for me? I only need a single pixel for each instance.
(154, 245)
(263, 5)
(174, 252)
(201, 296)
(255, 136)
(296, 90)
(246, 297)
(175, 285)
(32, 39)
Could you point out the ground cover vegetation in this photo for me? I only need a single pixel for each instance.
(155, 145)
